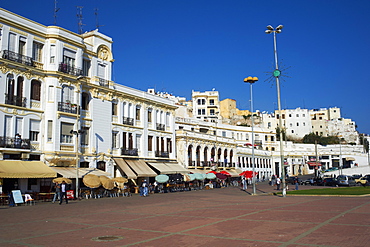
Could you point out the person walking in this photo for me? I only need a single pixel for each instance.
(144, 187)
(244, 183)
(63, 192)
(57, 192)
(296, 182)
(277, 183)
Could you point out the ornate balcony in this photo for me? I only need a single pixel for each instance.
(162, 154)
(131, 152)
(103, 82)
(16, 142)
(16, 57)
(128, 121)
(65, 68)
(15, 100)
(68, 107)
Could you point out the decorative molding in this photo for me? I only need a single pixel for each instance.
(12, 29)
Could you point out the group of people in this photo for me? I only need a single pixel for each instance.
(60, 192)
(276, 181)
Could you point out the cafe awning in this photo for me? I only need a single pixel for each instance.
(176, 168)
(125, 168)
(141, 168)
(25, 169)
(161, 167)
(70, 172)
(233, 173)
(350, 159)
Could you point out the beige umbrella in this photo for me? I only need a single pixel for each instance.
(108, 184)
(91, 181)
(103, 178)
(120, 180)
(61, 179)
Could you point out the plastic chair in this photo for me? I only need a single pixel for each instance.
(28, 199)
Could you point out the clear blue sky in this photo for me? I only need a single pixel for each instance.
(178, 46)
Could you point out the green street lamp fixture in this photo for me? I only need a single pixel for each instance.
(252, 80)
(277, 74)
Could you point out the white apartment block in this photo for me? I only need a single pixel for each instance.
(206, 105)
(61, 109)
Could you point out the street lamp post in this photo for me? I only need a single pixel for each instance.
(277, 74)
(252, 80)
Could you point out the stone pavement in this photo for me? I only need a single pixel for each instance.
(218, 217)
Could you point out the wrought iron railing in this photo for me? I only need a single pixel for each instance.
(14, 142)
(160, 126)
(15, 100)
(131, 152)
(16, 57)
(128, 121)
(68, 107)
(65, 68)
(162, 154)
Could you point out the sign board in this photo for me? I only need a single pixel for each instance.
(70, 194)
(17, 196)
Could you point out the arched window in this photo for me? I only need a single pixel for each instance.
(35, 90)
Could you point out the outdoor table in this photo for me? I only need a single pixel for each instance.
(46, 196)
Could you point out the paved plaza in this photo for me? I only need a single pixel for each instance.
(218, 217)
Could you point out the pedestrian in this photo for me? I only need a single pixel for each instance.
(63, 192)
(244, 183)
(296, 182)
(144, 187)
(57, 192)
(278, 183)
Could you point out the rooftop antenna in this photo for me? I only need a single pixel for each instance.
(79, 17)
(97, 19)
(55, 11)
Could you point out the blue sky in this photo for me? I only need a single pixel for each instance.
(177, 46)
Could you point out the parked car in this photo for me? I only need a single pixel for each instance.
(331, 169)
(330, 182)
(363, 181)
(290, 180)
(344, 180)
(356, 176)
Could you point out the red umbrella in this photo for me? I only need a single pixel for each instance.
(221, 176)
(248, 174)
(212, 172)
(225, 173)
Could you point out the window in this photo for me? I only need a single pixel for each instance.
(169, 145)
(52, 54)
(85, 67)
(297, 115)
(212, 112)
(149, 115)
(85, 136)
(50, 130)
(35, 90)
(201, 101)
(114, 109)
(51, 93)
(85, 101)
(11, 44)
(114, 140)
(22, 45)
(37, 52)
(34, 130)
(101, 165)
(138, 141)
(137, 112)
(212, 102)
(223, 133)
(84, 164)
(150, 143)
(66, 135)
(67, 94)
(101, 71)
(69, 57)
(297, 124)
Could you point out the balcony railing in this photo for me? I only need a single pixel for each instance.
(103, 82)
(65, 68)
(131, 152)
(162, 154)
(15, 100)
(10, 142)
(68, 107)
(160, 126)
(128, 121)
(16, 57)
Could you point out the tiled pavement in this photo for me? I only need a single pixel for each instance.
(219, 217)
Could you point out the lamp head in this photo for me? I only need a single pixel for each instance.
(268, 31)
(269, 27)
(251, 79)
(279, 27)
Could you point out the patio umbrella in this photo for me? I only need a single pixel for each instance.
(108, 184)
(120, 180)
(221, 176)
(61, 179)
(226, 173)
(191, 177)
(103, 178)
(214, 172)
(91, 181)
(248, 174)
(162, 178)
(210, 176)
(199, 176)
